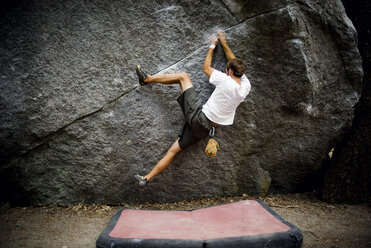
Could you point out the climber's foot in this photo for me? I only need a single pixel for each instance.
(141, 75)
(141, 179)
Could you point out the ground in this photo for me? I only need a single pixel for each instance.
(322, 224)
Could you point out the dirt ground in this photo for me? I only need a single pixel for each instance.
(322, 224)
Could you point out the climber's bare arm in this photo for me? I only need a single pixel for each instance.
(208, 70)
(223, 41)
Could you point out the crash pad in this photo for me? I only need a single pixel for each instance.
(240, 224)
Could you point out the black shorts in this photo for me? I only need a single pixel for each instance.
(197, 125)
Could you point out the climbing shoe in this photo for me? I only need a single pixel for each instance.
(141, 75)
(142, 181)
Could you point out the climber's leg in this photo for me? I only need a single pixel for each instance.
(180, 78)
(165, 161)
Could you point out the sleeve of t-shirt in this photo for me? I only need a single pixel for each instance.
(248, 85)
(217, 77)
(244, 77)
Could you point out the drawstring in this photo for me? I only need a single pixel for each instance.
(212, 132)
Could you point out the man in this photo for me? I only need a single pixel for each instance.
(232, 87)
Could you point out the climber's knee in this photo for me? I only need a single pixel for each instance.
(185, 81)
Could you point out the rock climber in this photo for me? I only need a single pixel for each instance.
(231, 89)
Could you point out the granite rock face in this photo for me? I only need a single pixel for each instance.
(76, 127)
(347, 175)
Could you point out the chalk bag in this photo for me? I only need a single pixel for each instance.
(212, 146)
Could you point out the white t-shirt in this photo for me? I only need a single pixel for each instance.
(228, 94)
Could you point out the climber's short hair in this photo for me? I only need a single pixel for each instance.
(237, 65)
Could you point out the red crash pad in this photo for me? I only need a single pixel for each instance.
(247, 223)
(232, 220)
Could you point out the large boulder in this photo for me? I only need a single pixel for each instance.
(76, 127)
(347, 174)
